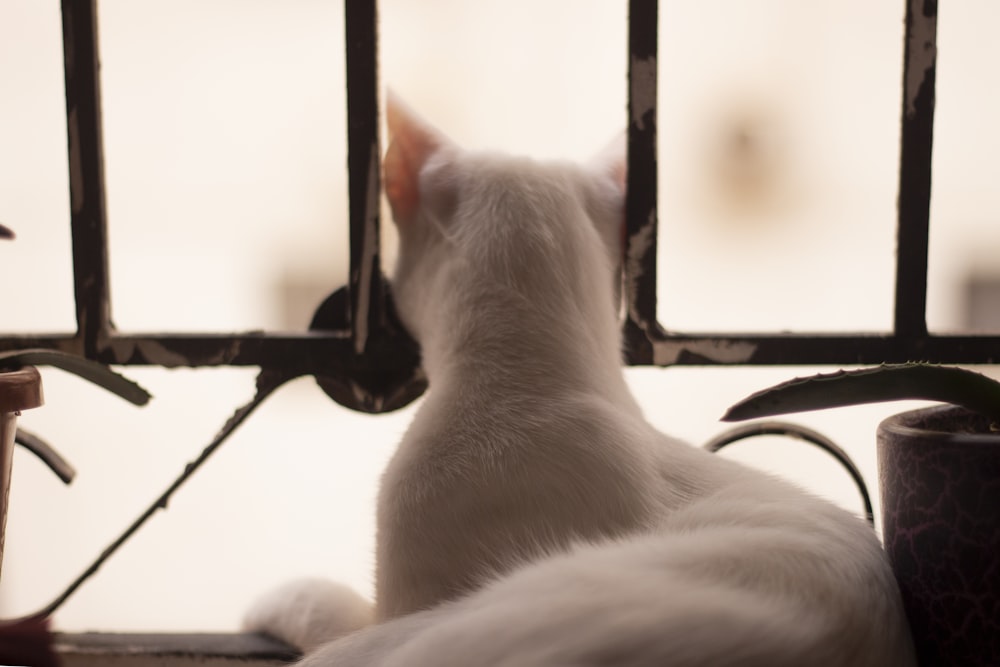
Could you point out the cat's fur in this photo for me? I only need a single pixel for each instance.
(531, 516)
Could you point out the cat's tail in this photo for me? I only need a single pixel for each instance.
(306, 613)
(726, 596)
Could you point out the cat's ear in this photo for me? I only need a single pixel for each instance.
(411, 142)
(611, 163)
(612, 160)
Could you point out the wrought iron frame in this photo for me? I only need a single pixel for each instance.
(355, 347)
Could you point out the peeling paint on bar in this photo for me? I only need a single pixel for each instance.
(365, 294)
(124, 350)
(326, 353)
(922, 54)
(306, 353)
(369, 256)
(640, 272)
(370, 251)
(669, 353)
(643, 88)
(639, 244)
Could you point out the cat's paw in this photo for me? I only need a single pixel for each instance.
(307, 613)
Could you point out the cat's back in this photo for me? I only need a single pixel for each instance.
(478, 493)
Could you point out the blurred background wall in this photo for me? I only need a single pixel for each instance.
(225, 155)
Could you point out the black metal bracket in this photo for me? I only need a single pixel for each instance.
(799, 432)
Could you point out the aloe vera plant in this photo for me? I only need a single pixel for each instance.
(937, 469)
(86, 369)
(91, 371)
(887, 382)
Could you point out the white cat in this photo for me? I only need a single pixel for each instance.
(531, 516)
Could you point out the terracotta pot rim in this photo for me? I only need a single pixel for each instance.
(20, 389)
(907, 425)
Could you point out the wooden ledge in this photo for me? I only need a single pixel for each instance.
(99, 649)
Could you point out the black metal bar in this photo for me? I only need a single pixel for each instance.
(86, 175)
(640, 202)
(330, 353)
(919, 65)
(306, 353)
(366, 287)
(821, 349)
(805, 434)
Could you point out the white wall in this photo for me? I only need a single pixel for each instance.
(225, 160)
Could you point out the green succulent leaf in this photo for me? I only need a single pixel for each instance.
(888, 382)
(91, 371)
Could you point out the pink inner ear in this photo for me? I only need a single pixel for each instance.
(411, 143)
(619, 172)
(401, 185)
(613, 160)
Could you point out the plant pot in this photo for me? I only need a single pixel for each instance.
(20, 389)
(939, 480)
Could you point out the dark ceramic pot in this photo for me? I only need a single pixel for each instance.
(939, 480)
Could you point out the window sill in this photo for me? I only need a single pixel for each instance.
(93, 649)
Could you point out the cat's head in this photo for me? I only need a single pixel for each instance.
(477, 226)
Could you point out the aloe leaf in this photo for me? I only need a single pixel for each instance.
(888, 382)
(91, 371)
(47, 453)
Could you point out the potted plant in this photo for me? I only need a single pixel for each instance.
(939, 483)
(27, 640)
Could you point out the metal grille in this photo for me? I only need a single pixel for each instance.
(356, 348)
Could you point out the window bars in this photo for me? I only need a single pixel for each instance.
(356, 349)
